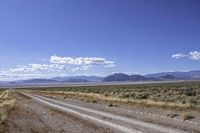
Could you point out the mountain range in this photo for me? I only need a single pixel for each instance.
(164, 76)
(191, 75)
(77, 78)
(135, 78)
(117, 77)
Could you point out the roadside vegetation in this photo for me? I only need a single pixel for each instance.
(186, 116)
(166, 95)
(6, 104)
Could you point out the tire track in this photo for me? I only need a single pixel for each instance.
(77, 110)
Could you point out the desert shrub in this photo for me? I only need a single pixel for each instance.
(185, 93)
(186, 116)
(112, 105)
(142, 96)
(94, 101)
(192, 101)
(183, 102)
(172, 115)
(190, 92)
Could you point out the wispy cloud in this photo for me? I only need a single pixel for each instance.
(178, 56)
(194, 55)
(55, 65)
(37, 67)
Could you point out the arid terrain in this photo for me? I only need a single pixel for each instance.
(78, 110)
(99, 66)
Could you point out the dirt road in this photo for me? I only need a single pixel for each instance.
(116, 123)
(30, 116)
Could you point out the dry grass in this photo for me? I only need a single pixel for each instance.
(6, 104)
(5, 101)
(90, 97)
(172, 114)
(186, 116)
(182, 95)
(4, 94)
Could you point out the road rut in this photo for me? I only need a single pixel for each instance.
(117, 123)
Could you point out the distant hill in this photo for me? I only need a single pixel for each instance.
(40, 81)
(124, 77)
(88, 78)
(121, 77)
(191, 75)
(75, 80)
(135, 78)
(118, 77)
(72, 79)
(167, 77)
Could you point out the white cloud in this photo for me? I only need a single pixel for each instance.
(37, 67)
(194, 55)
(81, 61)
(60, 60)
(110, 64)
(178, 56)
(56, 65)
(86, 67)
(128, 73)
(75, 69)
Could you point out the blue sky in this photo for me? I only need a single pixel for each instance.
(46, 38)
